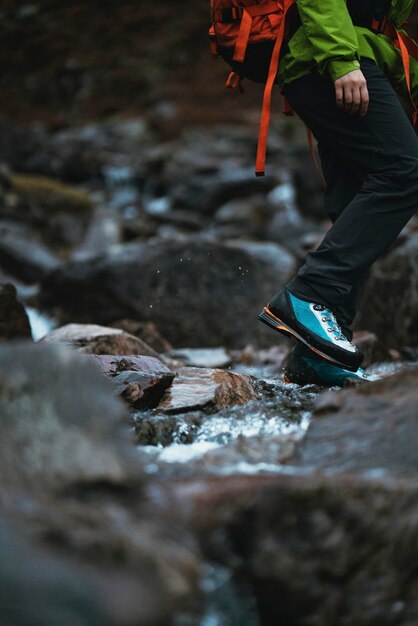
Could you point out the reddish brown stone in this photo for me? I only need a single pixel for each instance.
(93, 339)
(206, 389)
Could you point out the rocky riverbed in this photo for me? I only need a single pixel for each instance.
(155, 468)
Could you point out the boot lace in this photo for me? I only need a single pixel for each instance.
(334, 328)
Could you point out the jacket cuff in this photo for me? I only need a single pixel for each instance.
(338, 68)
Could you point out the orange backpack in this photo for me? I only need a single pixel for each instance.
(249, 35)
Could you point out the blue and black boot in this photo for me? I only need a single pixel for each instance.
(313, 325)
(304, 367)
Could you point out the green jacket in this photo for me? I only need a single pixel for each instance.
(328, 41)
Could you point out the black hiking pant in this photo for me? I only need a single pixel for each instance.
(370, 166)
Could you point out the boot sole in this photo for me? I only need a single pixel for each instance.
(267, 317)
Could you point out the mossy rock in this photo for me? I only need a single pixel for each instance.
(50, 194)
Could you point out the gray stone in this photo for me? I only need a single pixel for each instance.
(373, 431)
(389, 306)
(141, 380)
(61, 423)
(197, 293)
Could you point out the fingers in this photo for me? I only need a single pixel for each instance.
(348, 98)
(339, 95)
(351, 93)
(364, 92)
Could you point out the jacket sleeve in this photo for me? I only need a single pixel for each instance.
(328, 26)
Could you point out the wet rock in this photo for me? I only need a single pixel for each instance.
(331, 540)
(314, 550)
(141, 380)
(14, 322)
(147, 332)
(94, 339)
(391, 293)
(372, 431)
(197, 293)
(206, 389)
(158, 430)
(61, 423)
(22, 255)
(201, 357)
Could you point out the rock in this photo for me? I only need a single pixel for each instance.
(372, 348)
(207, 390)
(147, 331)
(372, 431)
(210, 191)
(61, 423)
(14, 322)
(37, 588)
(163, 430)
(141, 380)
(389, 306)
(332, 541)
(312, 550)
(197, 293)
(201, 357)
(94, 339)
(50, 195)
(22, 255)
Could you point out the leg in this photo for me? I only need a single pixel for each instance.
(381, 150)
(342, 185)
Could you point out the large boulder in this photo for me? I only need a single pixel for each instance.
(197, 293)
(71, 479)
(61, 423)
(389, 305)
(332, 538)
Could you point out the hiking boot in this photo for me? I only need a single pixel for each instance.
(306, 368)
(314, 325)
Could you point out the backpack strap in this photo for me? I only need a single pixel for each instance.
(234, 81)
(403, 46)
(266, 110)
(407, 47)
(213, 42)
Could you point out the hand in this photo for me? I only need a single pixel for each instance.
(351, 93)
